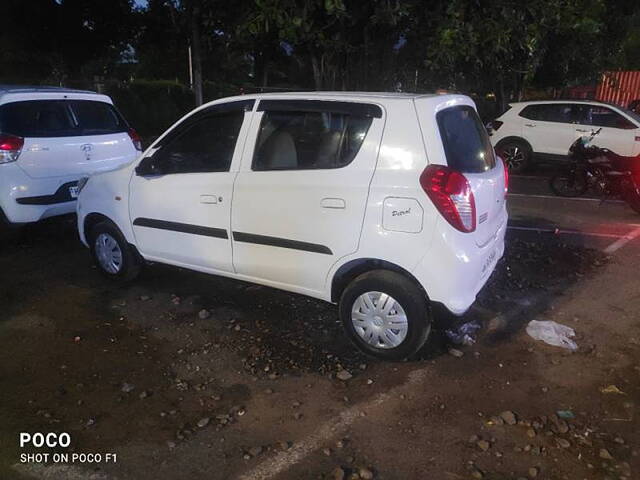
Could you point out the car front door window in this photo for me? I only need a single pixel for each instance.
(205, 145)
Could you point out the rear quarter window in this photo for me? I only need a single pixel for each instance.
(465, 140)
(306, 140)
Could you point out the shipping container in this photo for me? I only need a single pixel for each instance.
(620, 88)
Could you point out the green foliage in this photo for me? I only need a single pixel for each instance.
(476, 46)
(151, 106)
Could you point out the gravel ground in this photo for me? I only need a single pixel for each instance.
(183, 361)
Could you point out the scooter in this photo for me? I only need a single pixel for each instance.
(600, 170)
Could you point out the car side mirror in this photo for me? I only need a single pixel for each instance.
(148, 166)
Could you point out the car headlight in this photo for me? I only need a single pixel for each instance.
(81, 183)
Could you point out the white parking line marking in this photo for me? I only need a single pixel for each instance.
(555, 197)
(301, 449)
(621, 242)
(567, 232)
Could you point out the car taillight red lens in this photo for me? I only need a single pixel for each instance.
(451, 194)
(10, 148)
(135, 138)
(506, 177)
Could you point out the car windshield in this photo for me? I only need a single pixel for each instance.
(465, 140)
(60, 118)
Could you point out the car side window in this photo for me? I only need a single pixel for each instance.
(549, 112)
(599, 116)
(205, 144)
(304, 140)
(532, 112)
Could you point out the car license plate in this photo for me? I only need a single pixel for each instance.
(489, 261)
(73, 191)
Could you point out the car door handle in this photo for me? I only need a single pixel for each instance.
(209, 199)
(581, 130)
(529, 124)
(333, 203)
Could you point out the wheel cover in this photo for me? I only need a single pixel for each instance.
(514, 156)
(379, 320)
(108, 253)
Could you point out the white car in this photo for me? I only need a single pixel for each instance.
(544, 130)
(49, 138)
(383, 203)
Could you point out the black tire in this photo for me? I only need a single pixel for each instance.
(569, 183)
(516, 154)
(412, 300)
(631, 195)
(130, 264)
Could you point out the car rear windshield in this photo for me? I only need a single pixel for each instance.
(60, 118)
(466, 142)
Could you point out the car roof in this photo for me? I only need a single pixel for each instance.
(380, 98)
(4, 89)
(341, 94)
(564, 100)
(20, 93)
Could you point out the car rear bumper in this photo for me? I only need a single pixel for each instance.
(24, 199)
(456, 275)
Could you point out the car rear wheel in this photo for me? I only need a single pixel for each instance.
(112, 254)
(516, 155)
(386, 315)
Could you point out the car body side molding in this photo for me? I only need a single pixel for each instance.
(281, 242)
(181, 227)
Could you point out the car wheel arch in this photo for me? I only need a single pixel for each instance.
(354, 268)
(513, 138)
(94, 218)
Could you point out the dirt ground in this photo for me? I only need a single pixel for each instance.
(188, 376)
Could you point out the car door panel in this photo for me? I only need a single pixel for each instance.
(291, 225)
(181, 212)
(617, 133)
(547, 127)
(171, 223)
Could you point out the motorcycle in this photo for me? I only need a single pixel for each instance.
(599, 170)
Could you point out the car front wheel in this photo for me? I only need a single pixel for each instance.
(112, 254)
(386, 315)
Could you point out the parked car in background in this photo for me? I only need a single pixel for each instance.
(544, 130)
(382, 203)
(49, 138)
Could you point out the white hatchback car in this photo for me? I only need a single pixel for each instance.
(544, 130)
(49, 138)
(383, 203)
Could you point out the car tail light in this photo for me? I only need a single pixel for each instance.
(135, 138)
(10, 148)
(451, 194)
(506, 176)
